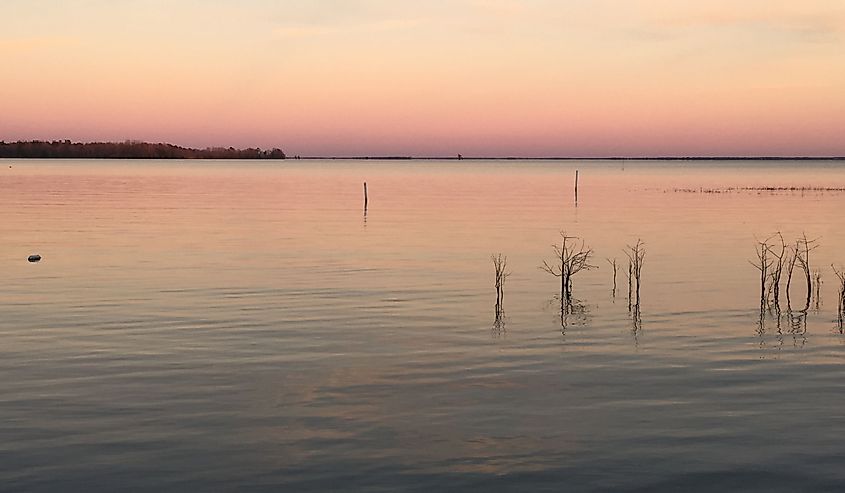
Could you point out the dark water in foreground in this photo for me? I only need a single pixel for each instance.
(241, 326)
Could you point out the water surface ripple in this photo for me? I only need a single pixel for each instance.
(243, 326)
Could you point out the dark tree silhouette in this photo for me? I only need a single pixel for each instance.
(129, 149)
(500, 265)
(570, 259)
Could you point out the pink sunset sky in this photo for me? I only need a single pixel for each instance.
(394, 77)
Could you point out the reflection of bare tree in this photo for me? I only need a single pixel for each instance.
(840, 305)
(779, 334)
(817, 289)
(636, 320)
(573, 312)
(499, 328)
(798, 327)
(762, 326)
(762, 329)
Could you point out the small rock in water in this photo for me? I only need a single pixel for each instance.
(34, 258)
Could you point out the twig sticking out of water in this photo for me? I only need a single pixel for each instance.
(570, 259)
(635, 254)
(802, 250)
(773, 256)
(500, 265)
(793, 257)
(615, 269)
(778, 259)
(763, 264)
(576, 187)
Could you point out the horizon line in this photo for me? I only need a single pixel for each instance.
(467, 158)
(570, 158)
(398, 157)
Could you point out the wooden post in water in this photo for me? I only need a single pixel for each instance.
(576, 186)
(365, 197)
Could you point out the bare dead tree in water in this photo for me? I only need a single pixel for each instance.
(500, 265)
(570, 259)
(615, 269)
(802, 250)
(763, 264)
(793, 257)
(840, 308)
(635, 254)
(779, 256)
(773, 256)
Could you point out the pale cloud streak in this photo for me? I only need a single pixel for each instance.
(804, 21)
(318, 30)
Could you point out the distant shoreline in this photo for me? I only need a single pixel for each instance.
(423, 158)
(130, 149)
(611, 158)
(138, 150)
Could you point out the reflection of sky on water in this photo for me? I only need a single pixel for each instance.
(237, 324)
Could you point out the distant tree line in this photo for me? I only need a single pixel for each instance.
(127, 150)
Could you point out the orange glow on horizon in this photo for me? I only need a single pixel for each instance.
(488, 78)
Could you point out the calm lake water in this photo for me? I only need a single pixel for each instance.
(243, 326)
